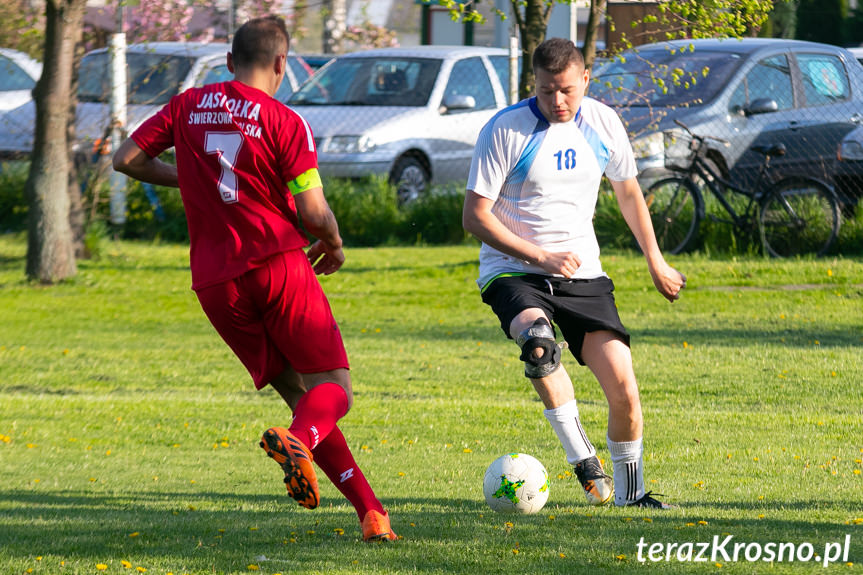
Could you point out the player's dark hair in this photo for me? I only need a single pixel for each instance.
(258, 41)
(556, 55)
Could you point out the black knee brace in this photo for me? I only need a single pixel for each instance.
(538, 336)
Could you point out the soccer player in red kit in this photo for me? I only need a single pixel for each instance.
(246, 167)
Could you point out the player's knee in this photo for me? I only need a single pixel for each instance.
(539, 352)
(625, 404)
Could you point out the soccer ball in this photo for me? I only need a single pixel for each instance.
(516, 483)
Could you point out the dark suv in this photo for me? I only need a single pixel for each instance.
(805, 95)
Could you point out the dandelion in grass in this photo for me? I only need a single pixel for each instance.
(467, 450)
(690, 524)
(101, 566)
(134, 534)
(561, 555)
(620, 557)
(253, 567)
(718, 565)
(141, 569)
(339, 531)
(647, 519)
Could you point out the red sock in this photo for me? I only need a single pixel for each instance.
(317, 412)
(334, 457)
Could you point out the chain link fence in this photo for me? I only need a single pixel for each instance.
(412, 115)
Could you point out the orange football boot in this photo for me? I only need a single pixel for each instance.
(376, 527)
(296, 461)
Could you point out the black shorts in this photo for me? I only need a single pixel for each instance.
(576, 306)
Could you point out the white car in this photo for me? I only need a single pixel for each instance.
(155, 71)
(18, 76)
(409, 114)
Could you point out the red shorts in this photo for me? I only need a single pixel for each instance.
(274, 316)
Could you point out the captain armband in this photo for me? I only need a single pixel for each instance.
(308, 180)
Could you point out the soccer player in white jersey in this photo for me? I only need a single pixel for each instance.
(531, 197)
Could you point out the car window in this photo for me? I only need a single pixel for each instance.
(371, 82)
(824, 79)
(216, 74)
(663, 78)
(501, 67)
(768, 79)
(469, 78)
(301, 71)
(151, 79)
(12, 77)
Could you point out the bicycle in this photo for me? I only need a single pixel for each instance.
(793, 216)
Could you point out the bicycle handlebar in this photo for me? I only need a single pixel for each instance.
(694, 136)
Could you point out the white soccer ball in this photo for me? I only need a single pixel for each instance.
(516, 483)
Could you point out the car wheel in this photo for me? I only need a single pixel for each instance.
(411, 179)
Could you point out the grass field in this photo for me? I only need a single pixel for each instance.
(128, 431)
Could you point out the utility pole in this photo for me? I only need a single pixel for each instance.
(118, 116)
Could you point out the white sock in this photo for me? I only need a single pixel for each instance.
(566, 424)
(628, 461)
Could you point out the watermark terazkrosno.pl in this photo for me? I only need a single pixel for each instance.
(725, 548)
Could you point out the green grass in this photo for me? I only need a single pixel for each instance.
(128, 431)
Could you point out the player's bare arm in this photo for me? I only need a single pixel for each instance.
(667, 280)
(131, 160)
(326, 253)
(478, 219)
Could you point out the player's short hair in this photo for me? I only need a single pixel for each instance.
(556, 55)
(258, 41)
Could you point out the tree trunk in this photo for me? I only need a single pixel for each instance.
(531, 28)
(597, 9)
(50, 245)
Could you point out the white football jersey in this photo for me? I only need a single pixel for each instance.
(544, 179)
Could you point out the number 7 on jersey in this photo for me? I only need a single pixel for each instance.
(226, 146)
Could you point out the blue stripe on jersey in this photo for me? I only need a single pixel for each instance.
(600, 150)
(519, 172)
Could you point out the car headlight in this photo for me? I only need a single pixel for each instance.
(349, 145)
(851, 150)
(649, 146)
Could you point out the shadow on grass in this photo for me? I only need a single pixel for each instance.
(220, 532)
(725, 337)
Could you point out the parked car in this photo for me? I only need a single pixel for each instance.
(849, 166)
(18, 76)
(806, 95)
(409, 114)
(155, 72)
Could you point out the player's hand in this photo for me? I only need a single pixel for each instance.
(325, 259)
(668, 281)
(560, 263)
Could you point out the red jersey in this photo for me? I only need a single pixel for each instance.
(236, 149)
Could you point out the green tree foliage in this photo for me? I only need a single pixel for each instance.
(22, 27)
(676, 19)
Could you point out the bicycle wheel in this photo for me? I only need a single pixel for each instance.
(676, 208)
(799, 217)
